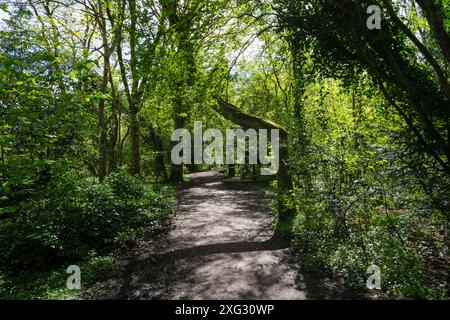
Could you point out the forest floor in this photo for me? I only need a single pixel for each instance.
(220, 246)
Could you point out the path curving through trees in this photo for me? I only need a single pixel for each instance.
(220, 247)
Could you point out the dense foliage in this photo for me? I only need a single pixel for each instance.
(74, 215)
(91, 90)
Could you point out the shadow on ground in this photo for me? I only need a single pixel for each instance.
(221, 247)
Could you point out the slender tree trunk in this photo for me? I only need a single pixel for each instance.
(155, 140)
(112, 144)
(103, 140)
(135, 143)
(180, 22)
(134, 89)
(102, 150)
(435, 18)
(231, 170)
(115, 135)
(120, 151)
(440, 73)
(176, 171)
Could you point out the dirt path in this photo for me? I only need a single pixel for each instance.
(221, 247)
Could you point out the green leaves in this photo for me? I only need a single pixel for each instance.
(74, 214)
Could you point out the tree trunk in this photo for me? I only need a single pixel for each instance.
(121, 143)
(153, 139)
(103, 141)
(115, 135)
(231, 170)
(102, 150)
(435, 18)
(176, 171)
(135, 146)
(284, 178)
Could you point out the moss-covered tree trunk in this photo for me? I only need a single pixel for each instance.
(180, 20)
(284, 178)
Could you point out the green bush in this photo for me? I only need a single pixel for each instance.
(52, 284)
(74, 215)
(381, 240)
(125, 186)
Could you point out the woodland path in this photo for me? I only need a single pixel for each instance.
(220, 247)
